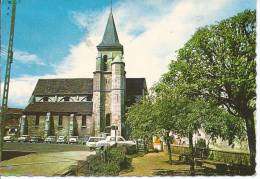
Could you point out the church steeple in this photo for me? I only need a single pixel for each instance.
(109, 81)
(110, 39)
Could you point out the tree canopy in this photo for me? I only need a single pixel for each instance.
(218, 63)
(210, 85)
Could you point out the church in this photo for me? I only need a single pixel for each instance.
(85, 106)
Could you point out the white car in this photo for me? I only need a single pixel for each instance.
(24, 138)
(61, 140)
(9, 138)
(91, 143)
(50, 139)
(110, 141)
(74, 140)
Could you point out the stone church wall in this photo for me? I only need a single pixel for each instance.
(62, 130)
(35, 130)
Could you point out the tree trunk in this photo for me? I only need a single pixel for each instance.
(191, 153)
(169, 147)
(250, 128)
(169, 150)
(145, 146)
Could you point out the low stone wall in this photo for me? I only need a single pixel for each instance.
(230, 157)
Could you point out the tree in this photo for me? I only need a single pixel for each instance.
(166, 109)
(140, 118)
(186, 115)
(147, 118)
(218, 64)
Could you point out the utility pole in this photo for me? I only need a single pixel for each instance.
(1, 124)
(4, 106)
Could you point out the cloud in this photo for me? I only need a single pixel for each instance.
(21, 89)
(27, 58)
(163, 29)
(151, 32)
(84, 20)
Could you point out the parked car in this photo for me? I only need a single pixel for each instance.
(61, 140)
(9, 138)
(50, 139)
(36, 139)
(91, 143)
(85, 140)
(23, 138)
(74, 140)
(119, 141)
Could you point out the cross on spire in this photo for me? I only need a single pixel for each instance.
(111, 4)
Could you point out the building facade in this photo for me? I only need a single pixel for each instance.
(85, 106)
(11, 123)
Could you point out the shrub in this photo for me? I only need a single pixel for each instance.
(107, 162)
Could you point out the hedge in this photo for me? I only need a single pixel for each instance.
(107, 162)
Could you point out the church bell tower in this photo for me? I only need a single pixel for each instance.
(109, 82)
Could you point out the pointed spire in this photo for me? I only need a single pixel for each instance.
(110, 39)
(111, 4)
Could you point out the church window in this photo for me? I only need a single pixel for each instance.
(60, 120)
(105, 62)
(37, 120)
(66, 98)
(89, 97)
(45, 99)
(108, 119)
(84, 121)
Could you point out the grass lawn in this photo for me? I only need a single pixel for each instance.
(153, 164)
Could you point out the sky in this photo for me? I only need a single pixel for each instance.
(58, 38)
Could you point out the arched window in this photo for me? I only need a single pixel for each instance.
(84, 121)
(60, 120)
(37, 120)
(105, 62)
(108, 120)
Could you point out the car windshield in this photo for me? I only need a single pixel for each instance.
(61, 137)
(94, 139)
(74, 137)
(120, 139)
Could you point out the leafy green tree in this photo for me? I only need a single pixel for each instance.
(168, 110)
(140, 119)
(186, 115)
(218, 64)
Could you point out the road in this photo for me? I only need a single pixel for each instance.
(41, 147)
(43, 164)
(48, 159)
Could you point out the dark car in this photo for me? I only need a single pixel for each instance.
(36, 139)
